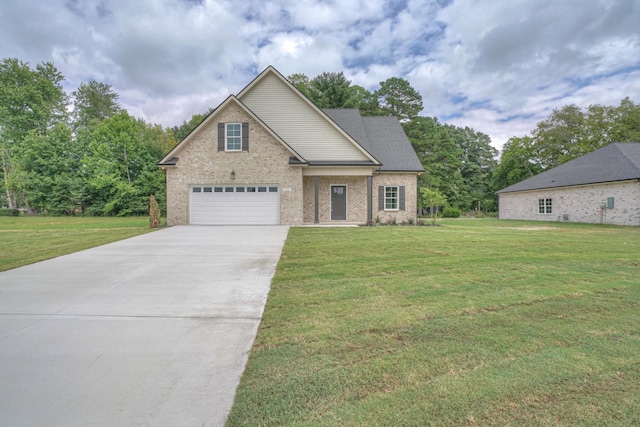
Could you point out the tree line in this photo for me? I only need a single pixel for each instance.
(84, 154)
(74, 154)
(569, 132)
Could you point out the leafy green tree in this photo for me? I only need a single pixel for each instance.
(434, 199)
(364, 101)
(625, 120)
(560, 137)
(569, 132)
(50, 171)
(301, 82)
(122, 167)
(31, 100)
(93, 103)
(180, 132)
(398, 98)
(440, 156)
(478, 162)
(330, 90)
(333, 90)
(516, 163)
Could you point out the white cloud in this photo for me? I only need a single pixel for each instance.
(499, 66)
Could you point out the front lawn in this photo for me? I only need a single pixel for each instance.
(28, 239)
(476, 322)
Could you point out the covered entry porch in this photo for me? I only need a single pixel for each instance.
(338, 195)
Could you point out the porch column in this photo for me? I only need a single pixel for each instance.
(369, 199)
(316, 196)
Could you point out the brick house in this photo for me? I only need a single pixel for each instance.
(270, 156)
(600, 187)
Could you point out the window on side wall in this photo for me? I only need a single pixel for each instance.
(391, 198)
(233, 133)
(545, 206)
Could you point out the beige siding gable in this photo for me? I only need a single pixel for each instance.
(231, 100)
(298, 123)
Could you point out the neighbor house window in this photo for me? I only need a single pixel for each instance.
(390, 198)
(233, 132)
(544, 206)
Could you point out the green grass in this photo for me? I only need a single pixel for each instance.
(477, 322)
(29, 239)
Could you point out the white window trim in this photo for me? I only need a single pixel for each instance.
(547, 206)
(226, 137)
(397, 208)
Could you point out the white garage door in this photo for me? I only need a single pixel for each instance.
(234, 204)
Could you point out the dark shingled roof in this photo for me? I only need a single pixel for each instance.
(382, 136)
(614, 162)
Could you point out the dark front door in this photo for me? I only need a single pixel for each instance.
(338, 202)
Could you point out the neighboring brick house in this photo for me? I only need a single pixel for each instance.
(269, 156)
(600, 187)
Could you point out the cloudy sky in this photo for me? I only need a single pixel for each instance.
(498, 66)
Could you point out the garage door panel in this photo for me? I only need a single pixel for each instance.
(219, 205)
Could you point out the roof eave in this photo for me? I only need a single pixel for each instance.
(506, 190)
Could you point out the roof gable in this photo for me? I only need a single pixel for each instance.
(305, 127)
(171, 159)
(614, 162)
(382, 136)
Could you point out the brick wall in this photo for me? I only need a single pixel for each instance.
(580, 203)
(410, 182)
(266, 162)
(356, 198)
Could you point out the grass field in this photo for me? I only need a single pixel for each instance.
(476, 322)
(25, 240)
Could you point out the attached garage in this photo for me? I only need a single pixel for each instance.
(234, 204)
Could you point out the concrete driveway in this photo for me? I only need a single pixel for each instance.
(149, 331)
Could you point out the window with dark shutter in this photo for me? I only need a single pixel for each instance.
(227, 136)
(391, 198)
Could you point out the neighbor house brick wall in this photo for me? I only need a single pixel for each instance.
(356, 198)
(580, 203)
(410, 182)
(266, 162)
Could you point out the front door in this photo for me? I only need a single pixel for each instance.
(338, 202)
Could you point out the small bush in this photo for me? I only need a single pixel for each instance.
(410, 221)
(9, 212)
(451, 212)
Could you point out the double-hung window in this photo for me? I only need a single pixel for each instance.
(391, 198)
(233, 133)
(545, 206)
